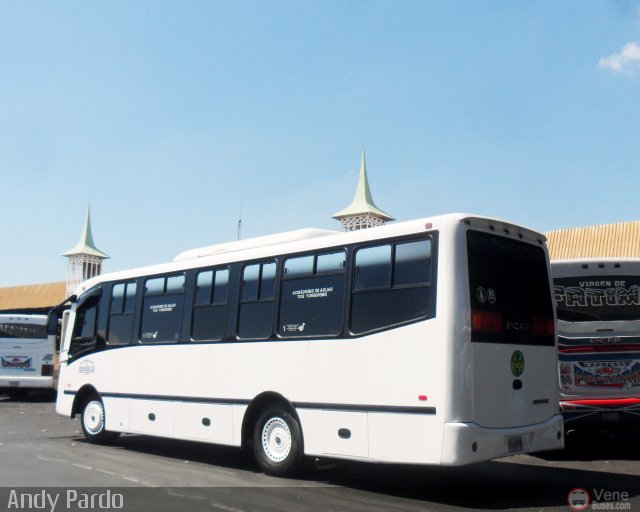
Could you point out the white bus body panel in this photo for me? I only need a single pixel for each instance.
(496, 403)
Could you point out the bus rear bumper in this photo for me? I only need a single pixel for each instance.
(466, 443)
(26, 383)
(601, 413)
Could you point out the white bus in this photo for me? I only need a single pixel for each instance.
(426, 342)
(598, 308)
(27, 354)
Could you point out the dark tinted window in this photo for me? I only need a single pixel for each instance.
(250, 282)
(268, 281)
(257, 303)
(154, 286)
(204, 288)
(175, 284)
(130, 297)
(23, 331)
(117, 298)
(120, 329)
(597, 298)
(210, 310)
(87, 317)
(312, 301)
(391, 285)
(162, 309)
(84, 335)
(412, 263)
(330, 262)
(373, 267)
(295, 267)
(221, 288)
(509, 291)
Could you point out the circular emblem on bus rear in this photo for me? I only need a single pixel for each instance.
(517, 363)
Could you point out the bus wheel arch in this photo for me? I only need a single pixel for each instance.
(89, 405)
(83, 394)
(272, 427)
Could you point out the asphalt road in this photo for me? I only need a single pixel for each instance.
(43, 456)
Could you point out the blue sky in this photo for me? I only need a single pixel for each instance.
(170, 118)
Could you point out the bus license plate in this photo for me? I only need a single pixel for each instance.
(515, 444)
(610, 417)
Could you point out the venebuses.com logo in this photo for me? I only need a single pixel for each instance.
(579, 499)
(598, 499)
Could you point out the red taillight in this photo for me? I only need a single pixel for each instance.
(543, 326)
(47, 370)
(486, 321)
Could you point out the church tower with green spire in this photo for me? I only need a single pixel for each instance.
(85, 259)
(362, 213)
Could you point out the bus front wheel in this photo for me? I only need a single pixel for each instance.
(277, 442)
(93, 423)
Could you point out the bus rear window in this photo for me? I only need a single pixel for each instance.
(509, 291)
(23, 331)
(597, 298)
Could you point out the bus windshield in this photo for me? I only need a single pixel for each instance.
(22, 331)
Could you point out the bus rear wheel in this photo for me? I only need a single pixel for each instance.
(93, 422)
(277, 442)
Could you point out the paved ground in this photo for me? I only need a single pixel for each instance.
(41, 452)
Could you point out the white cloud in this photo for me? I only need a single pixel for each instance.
(628, 58)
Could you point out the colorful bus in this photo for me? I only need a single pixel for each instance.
(598, 308)
(424, 342)
(27, 354)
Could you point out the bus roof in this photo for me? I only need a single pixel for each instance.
(307, 240)
(594, 261)
(251, 243)
(23, 319)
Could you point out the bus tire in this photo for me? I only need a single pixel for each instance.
(93, 422)
(277, 442)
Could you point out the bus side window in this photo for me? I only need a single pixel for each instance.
(373, 267)
(122, 307)
(210, 306)
(312, 296)
(257, 301)
(162, 309)
(391, 285)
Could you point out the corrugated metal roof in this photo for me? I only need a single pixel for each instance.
(32, 296)
(620, 240)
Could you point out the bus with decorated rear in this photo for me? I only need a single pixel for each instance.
(423, 342)
(598, 309)
(27, 354)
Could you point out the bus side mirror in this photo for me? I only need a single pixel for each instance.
(53, 320)
(64, 342)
